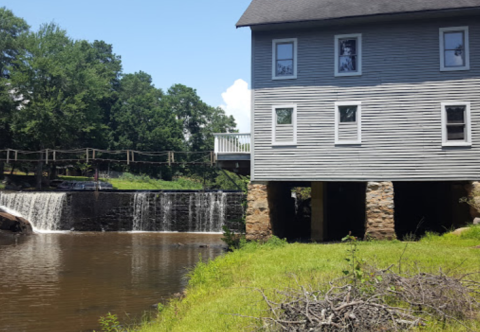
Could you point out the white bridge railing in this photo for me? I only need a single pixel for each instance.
(232, 143)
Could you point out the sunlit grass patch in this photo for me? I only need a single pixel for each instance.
(222, 296)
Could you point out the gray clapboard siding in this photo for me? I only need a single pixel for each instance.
(401, 91)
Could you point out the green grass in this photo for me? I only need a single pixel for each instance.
(132, 182)
(222, 292)
(151, 184)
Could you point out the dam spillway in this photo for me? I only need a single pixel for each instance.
(45, 209)
(172, 211)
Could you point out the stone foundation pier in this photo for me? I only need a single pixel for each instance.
(258, 224)
(270, 208)
(379, 219)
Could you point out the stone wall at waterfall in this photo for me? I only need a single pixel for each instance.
(127, 211)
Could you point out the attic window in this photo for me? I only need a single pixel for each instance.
(348, 55)
(454, 52)
(284, 59)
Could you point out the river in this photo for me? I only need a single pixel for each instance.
(62, 282)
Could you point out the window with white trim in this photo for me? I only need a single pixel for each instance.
(456, 130)
(454, 49)
(284, 126)
(284, 58)
(348, 122)
(348, 55)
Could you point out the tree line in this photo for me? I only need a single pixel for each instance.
(60, 93)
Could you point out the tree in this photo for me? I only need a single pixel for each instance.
(139, 119)
(12, 29)
(199, 121)
(65, 85)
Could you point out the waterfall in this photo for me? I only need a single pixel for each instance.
(43, 210)
(140, 211)
(186, 212)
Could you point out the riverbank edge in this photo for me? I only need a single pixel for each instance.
(221, 295)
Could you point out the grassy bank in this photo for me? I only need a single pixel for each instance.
(221, 294)
(139, 182)
(132, 182)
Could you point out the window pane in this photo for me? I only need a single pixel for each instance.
(453, 40)
(454, 58)
(347, 64)
(348, 46)
(456, 114)
(284, 67)
(348, 113)
(284, 115)
(285, 51)
(455, 133)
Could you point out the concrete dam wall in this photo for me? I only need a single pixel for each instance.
(173, 211)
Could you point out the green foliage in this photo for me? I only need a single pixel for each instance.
(473, 233)
(109, 323)
(231, 239)
(64, 84)
(140, 119)
(303, 193)
(12, 31)
(354, 270)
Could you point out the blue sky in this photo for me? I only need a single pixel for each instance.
(190, 42)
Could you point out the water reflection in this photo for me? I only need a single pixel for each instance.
(64, 282)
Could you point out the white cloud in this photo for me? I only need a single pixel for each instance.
(237, 103)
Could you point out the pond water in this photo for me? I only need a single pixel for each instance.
(65, 281)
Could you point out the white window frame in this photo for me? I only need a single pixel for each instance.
(468, 129)
(337, 38)
(274, 58)
(294, 123)
(358, 118)
(464, 29)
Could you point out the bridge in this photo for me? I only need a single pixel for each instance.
(232, 152)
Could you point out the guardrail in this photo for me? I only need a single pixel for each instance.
(232, 143)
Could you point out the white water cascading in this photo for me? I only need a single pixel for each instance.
(43, 210)
(190, 212)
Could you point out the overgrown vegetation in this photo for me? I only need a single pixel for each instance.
(223, 295)
(236, 240)
(144, 182)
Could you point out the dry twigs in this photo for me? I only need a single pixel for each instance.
(382, 301)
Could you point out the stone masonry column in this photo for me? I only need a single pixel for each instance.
(258, 225)
(379, 221)
(473, 190)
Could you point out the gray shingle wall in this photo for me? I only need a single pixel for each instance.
(277, 11)
(401, 91)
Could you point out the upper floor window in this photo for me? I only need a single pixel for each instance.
(454, 50)
(284, 59)
(456, 124)
(284, 129)
(348, 55)
(348, 122)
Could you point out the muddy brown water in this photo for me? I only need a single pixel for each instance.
(65, 282)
